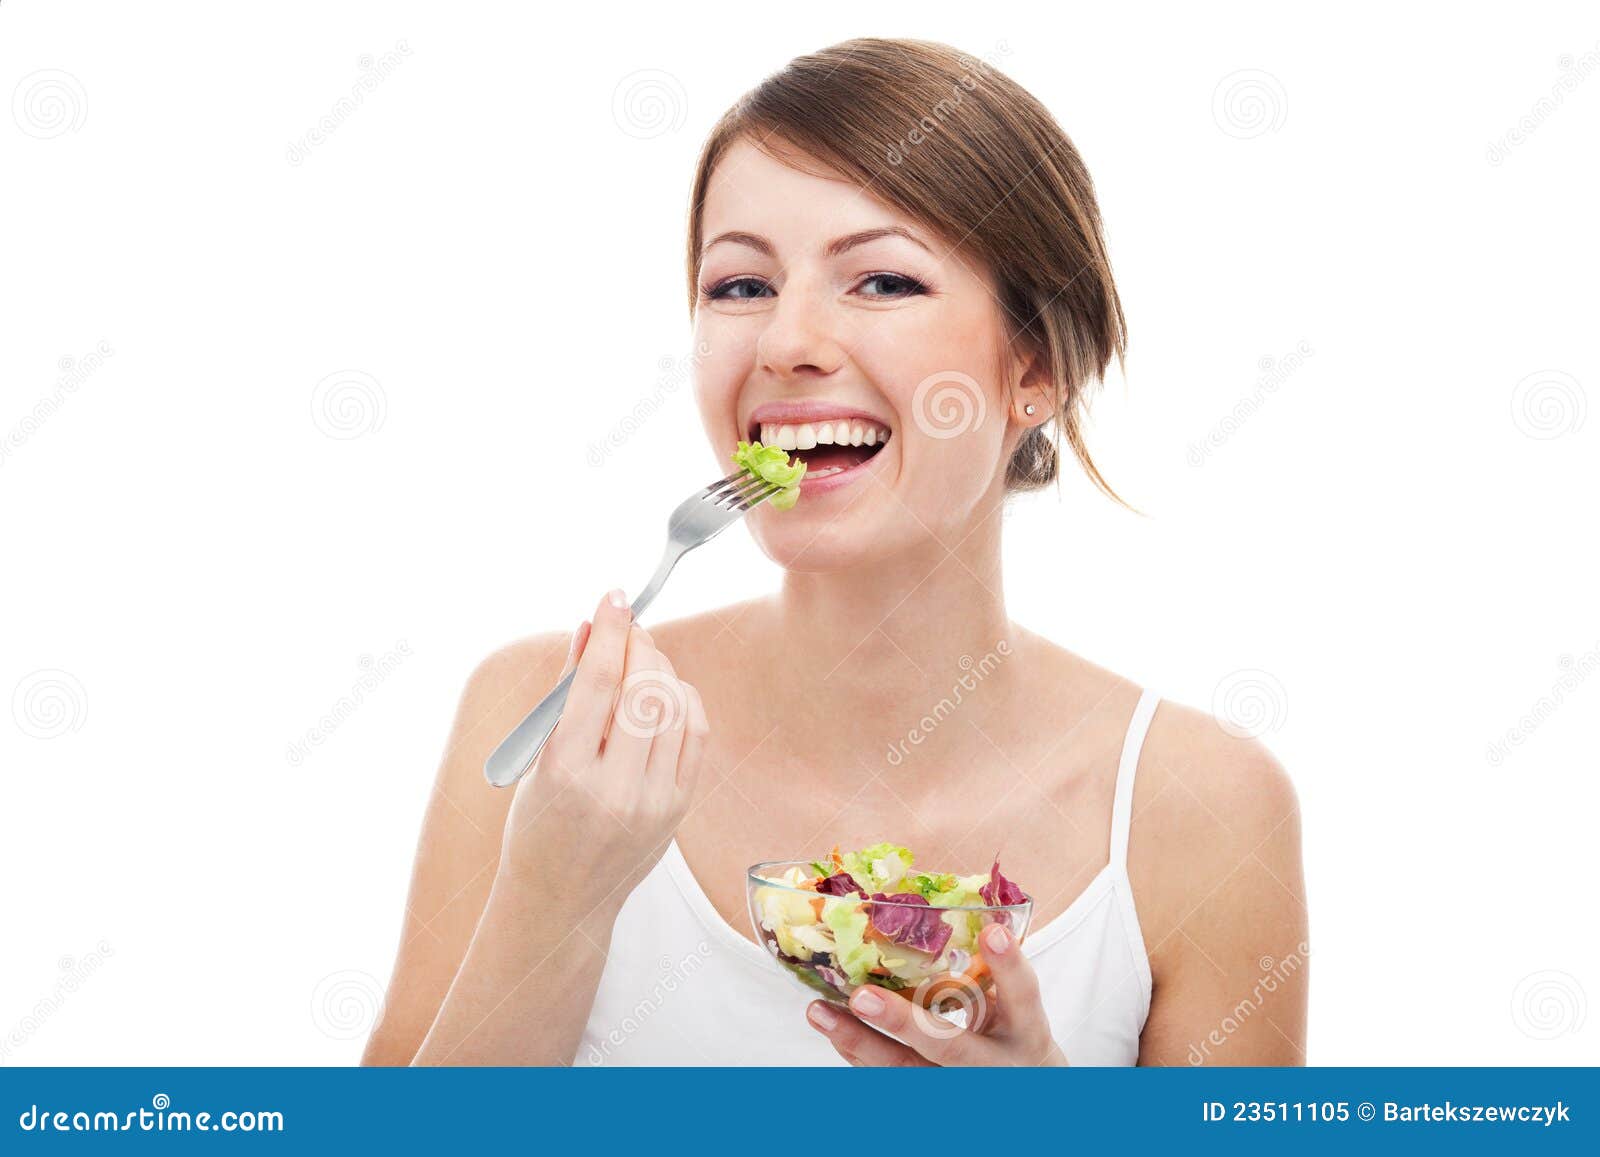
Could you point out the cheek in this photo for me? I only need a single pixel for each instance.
(722, 361)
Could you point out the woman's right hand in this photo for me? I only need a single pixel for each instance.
(598, 808)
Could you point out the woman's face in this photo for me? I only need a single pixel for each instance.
(827, 318)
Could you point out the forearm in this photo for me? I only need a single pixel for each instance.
(522, 997)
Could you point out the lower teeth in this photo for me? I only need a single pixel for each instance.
(824, 472)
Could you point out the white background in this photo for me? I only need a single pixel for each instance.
(1396, 545)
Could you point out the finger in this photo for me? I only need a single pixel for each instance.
(636, 714)
(597, 675)
(580, 639)
(1018, 1003)
(664, 779)
(671, 703)
(856, 1042)
(692, 758)
(925, 1032)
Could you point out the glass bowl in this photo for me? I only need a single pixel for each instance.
(929, 956)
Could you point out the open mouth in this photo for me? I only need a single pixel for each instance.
(826, 447)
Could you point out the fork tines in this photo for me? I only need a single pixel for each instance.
(740, 491)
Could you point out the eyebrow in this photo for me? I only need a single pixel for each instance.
(835, 247)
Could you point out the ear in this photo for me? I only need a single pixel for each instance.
(1032, 403)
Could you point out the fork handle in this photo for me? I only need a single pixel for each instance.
(516, 754)
(517, 751)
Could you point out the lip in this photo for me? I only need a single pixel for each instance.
(798, 410)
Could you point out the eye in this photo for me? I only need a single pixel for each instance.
(738, 289)
(892, 285)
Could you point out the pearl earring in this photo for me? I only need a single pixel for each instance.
(1028, 409)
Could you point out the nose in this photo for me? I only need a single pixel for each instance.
(799, 341)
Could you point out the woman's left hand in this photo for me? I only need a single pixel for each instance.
(1014, 1029)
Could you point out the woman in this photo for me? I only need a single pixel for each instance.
(895, 265)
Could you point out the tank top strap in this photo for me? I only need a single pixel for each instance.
(1122, 805)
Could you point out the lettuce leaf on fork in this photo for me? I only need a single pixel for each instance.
(771, 464)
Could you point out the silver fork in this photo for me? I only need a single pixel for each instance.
(699, 518)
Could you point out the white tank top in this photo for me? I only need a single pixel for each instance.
(682, 987)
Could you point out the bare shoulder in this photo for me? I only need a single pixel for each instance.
(1214, 848)
(1220, 775)
(1215, 863)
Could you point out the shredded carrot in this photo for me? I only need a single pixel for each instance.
(817, 904)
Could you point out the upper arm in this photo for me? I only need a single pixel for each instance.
(458, 851)
(1215, 858)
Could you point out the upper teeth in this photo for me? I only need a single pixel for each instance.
(844, 432)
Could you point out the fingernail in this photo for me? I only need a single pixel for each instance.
(616, 598)
(572, 647)
(867, 1002)
(819, 1015)
(997, 939)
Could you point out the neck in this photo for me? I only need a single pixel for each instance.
(878, 634)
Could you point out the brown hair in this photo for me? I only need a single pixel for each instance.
(974, 157)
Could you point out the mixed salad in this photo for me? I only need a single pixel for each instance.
(771, 464)
(867, 918)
